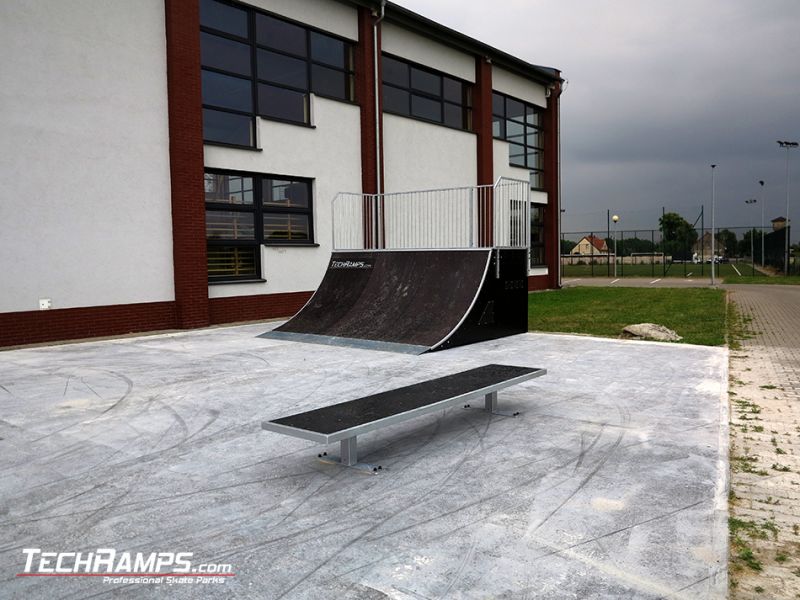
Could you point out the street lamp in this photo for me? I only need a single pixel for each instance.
(752, 235)
(763, 206)
(713, 200)
(615, 218)
(788, 146)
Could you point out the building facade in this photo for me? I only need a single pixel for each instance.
(171, 163)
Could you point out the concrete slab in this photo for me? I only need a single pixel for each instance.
(612, 482)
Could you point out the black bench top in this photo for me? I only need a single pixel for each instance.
(353, 413)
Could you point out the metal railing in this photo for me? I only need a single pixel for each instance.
(478, 216)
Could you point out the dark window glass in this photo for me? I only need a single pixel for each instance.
(227, 128)
(452, 90)
(286, 227)
(328, 50)
(282, 69)
(519, 123)
(282, 104)
(328, 82)
(394, 71)
(532, 116)
(423, 81)
(515, 132)
(395, 100)
(453, 115)
(229, 189)
(224, 54)
(426, 108)
(534, 159)
(227, 92)
(286, 193)
(515, 109)
(537, 235)
(534, 137)
(516, 155)
(498, 105)
(230, 225)
(498, 127)
(223, 17)
(232, 261)
(280, 35)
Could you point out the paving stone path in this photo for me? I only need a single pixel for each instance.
(765, 445)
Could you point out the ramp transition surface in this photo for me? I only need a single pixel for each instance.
(414, 301)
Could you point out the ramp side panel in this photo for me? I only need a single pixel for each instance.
(502, 305)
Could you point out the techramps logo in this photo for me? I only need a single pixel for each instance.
(124, 567)
(350, 264)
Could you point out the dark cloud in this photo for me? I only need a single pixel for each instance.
(657, 92)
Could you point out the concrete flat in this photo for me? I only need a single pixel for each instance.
(611, 484)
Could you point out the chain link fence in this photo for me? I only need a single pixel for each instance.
(753, 251)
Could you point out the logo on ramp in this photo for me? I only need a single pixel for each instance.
(350, 264)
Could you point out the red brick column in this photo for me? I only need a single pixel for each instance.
(482, 125)
(365, 96)
(552, 179)
(186, 162)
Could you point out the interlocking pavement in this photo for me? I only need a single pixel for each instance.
(765, 444)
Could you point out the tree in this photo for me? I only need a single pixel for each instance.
(677, 236)
(744, 244)
(567, 246)
(726, 239)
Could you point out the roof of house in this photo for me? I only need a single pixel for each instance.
(416, 22)
(595, 241)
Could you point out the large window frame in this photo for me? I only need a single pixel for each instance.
(229, 223)
(537, 232)
(280, 72)
(413, 90)
(521, 125)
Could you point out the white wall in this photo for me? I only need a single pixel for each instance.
(84, 163)
(518, 87)
(419, 155)
(420, 49)
(330, 154)
(334, 17)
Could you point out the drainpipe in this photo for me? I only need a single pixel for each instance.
(375, 60)
(378, 137)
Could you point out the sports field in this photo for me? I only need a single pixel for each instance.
(727, 271)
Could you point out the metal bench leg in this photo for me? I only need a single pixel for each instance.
(490, 404)
(349, 457)
(349, 451)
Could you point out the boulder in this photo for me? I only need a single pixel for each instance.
(651, 331)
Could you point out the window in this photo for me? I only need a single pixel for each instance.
(245, 210)
(520, 124)
(415, 91)
(255, 64)
(537, 235)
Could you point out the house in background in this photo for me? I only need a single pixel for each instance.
(185, 153)
(590, 244)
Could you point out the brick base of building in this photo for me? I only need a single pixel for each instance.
(41, 326)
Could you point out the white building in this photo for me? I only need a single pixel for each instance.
(171, 163)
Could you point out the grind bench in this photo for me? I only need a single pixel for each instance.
(344, 421)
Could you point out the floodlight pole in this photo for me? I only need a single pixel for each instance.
(788, 146)
(713, 201)
(752, 235)
(761, 183)
(615, 218)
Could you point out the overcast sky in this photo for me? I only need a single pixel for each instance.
(658, 91)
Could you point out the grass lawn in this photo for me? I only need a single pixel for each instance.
(696, 314)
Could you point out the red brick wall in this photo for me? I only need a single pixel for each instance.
(31, 327)
(250, 308)
(186, 162)
(482, 125)
(551, 185)
(538, 282)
